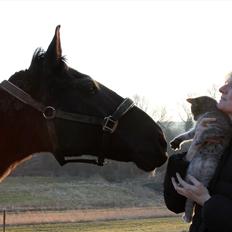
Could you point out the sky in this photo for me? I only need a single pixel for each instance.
(164, 51)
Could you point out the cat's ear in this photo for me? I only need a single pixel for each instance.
(190, 100)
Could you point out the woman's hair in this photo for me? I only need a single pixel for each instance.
(228, 77)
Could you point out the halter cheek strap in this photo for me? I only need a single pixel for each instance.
(109, 123)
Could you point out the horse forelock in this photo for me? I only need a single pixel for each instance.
(38, 60)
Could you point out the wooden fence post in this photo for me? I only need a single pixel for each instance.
(4, 220)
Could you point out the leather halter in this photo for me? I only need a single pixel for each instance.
(109, 123)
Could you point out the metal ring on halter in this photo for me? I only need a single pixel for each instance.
(49, 112)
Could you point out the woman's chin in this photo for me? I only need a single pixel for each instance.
(225, 108)
(221, 105)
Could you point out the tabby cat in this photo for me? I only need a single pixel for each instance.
(206, 148)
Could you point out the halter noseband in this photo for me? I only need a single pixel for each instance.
(109, 123)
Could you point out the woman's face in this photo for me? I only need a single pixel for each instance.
(225, 103)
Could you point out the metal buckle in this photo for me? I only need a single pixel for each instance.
(109, 125)
(49, 112)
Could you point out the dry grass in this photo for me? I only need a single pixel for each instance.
(68, 216)
(142, 225)
(90, 200)
(18, 193)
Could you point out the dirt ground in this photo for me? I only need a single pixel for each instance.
(38, 217)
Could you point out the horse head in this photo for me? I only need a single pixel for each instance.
(41, 105)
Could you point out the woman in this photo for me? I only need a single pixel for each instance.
(213, 211)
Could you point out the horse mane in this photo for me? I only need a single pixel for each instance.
(38, 59)
(38, 55)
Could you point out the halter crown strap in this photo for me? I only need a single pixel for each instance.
(21, 95)
(49, 112)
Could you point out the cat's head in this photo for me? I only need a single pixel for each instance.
(201, 105)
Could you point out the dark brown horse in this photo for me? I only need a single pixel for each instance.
(51, 107)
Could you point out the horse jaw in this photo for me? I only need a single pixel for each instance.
(147, 148)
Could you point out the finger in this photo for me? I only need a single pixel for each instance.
(183, 182)
(194, 180)
(177, 186)
(206, 121)
(209, 119)
(179, 178)
(174, 182)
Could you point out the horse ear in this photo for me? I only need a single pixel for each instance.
(54, 51)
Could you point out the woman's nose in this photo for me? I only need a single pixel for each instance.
(222, 89)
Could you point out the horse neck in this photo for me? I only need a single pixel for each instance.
(21, 136)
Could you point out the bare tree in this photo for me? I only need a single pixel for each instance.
(213, 91)
(187, 117)
(141, 102)
(159, 114)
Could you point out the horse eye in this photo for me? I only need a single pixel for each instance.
(87, 85)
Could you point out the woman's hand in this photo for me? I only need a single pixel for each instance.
(195, 191)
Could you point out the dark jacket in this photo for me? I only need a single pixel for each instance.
(216, 213)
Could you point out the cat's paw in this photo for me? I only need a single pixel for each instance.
(175, 143)
(186, 218)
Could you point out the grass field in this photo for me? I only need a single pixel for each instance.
(23, 193)
(141, 225)
(20, 194)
